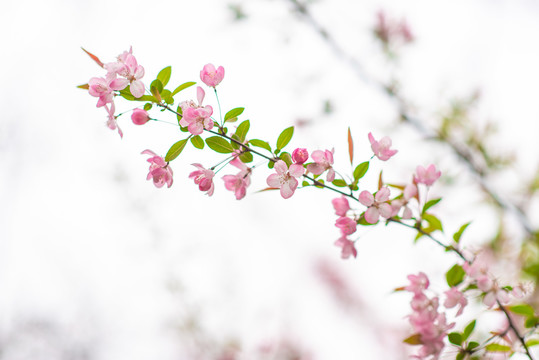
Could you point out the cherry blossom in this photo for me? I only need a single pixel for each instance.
(100, 87)
(300, 155)
(347, 225)
(111, 121)
(285, 178)
(140, 117)
(455, 297)
(160, 171)
(347, 247)
(426, 176)
(211, 76)
(323, 160)
(238, 183)
(131, 72)
(376, 205)
(418, 283)
(341, 205)
(410, 191)
(203, 178)
(381, 149)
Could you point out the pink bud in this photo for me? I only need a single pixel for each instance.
(300, 155)
(140, 117)
(211, 76)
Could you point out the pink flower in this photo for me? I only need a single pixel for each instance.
(341, 206)
(347, 247)
(285, 178)
(426, 176)
(198, 119)
(210, 76)
(100, 87)
(455, 297)
(381, 148)
(299, 156)
(111, 121)
(203, 178)
(347, 225)
(140, 117)
(376, 205)
(160, 172)
(131, 71)
(238, 183)
(418, 283)
(323, 160)
(410, 191)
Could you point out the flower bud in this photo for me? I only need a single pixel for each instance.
(140, 117)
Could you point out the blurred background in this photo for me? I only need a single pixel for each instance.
(97, 264)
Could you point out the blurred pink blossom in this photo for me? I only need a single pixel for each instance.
(381, 149)
(427, 176)
(203, 178)
(347, 247)
(323, 160)
(160, 171)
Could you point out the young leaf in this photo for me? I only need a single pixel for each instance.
(413, 340)
(435, 223)
(220, 145)
(164, 75)
(84, 86)
(361, 170)
(156, 87)
(350, 147)
(339, 183)
(167, 96)
(175, 150)
(458, 234)
(234, 113)
(246, 157)
(197, 142)
(497, 348)
(430, 204)
(94, 58)
(455, 276)
(468, 330)
(455, 338)
(183, 87)
(260, 143)
(147, 106)
(472, 345)
(286, 158)
(532, 342)
(126, 94)
(241, 131)
(285, 137)
(522, 309)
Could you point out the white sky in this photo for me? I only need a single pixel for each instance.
(87, 244)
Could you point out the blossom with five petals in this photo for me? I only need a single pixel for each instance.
(238, 183)
(211, 76)
(131, 72)
(160, 172)
(376, 205)
(100, 87)
(285, 178)
(323, 160)
(381, 149)
(203, 178)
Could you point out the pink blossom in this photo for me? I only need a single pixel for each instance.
(160, 171)
(347, 247)
(285, 178)
(381, 148)
(455, 297)
(111, 121)
(140, 117)
(210, 76)
(203, 178)
(347, 225)
(418, 283)
(341, 206)
(300, 155)
(323, 160)
(426, 176)
(128, 68)
(376, 205)
(100, 87)
(238, 183)
(410, 191)
(198, 119)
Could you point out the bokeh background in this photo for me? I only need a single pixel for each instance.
(97, 264)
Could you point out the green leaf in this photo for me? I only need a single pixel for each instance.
(319, 183)
(246, 157)
(531, 322)
(455, 338)
(472, 345)
(532, 342)
(285, 137)
(197, 142)
(286, 158)
(167, 96)
(183, 87)
(361, 170)
(242, 130)
(455, 276)
(147, 106)
(413, 340)
(175, 150)
(435, 223)
(339, 183)
(234, 113)
(126, 94)
(497, 348)
(164, 75)
(305, 183)
(271, 164)
(430, 204)
(261, 144)
(460, 356)
(220, 145)
(522, 309)
(458, 234)
(468, 330)
(156, 87)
